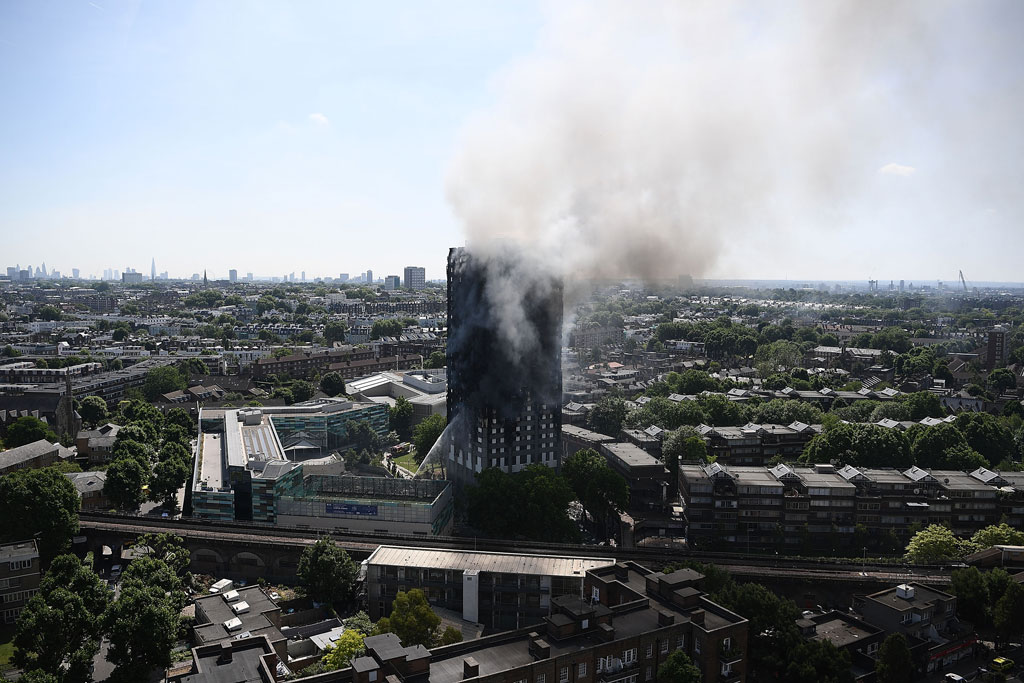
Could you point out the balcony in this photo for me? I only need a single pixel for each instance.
(730, 656)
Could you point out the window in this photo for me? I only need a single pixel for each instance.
(872, 648)
(541, 678)
(595, 594)
(649, 673)
(629, 656)
(650, 650)
(20, 564)
(563, 675)
(696, 646)
(680, 642)
(726, 643)
(664, 646)
(373, 676)
(582, 670)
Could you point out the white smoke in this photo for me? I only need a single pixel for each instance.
(646, 138)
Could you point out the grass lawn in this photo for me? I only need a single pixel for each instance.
(409, 462)
(6, 647)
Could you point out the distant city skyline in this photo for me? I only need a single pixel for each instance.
(326, 137)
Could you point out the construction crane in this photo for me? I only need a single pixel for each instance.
(963, 281)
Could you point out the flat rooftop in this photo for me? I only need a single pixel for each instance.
(254, 621)
(500, 563)
(22, 550)
(212, 472)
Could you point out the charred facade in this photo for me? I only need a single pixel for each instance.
(504, 373)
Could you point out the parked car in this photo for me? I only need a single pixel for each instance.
(1002, 665)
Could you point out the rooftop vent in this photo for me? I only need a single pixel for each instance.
(905, 591)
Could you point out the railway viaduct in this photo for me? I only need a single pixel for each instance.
(272, 553)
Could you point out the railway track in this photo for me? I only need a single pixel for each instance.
(739, 563)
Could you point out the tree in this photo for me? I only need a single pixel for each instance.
(48, 312)
(143, 623)
(327, 572)
(426, 434)
(27, 430)
(125, 479)
(935, 543)
(174, 434)
(778, 356)
(1002, 380)
(132, 450)
(42, 502)
(360, 621)
(168, 478)
(344, 650)
(435, 360)
(894, 663)
(302, 390)
(334, 331)
(988, 435)
(598, 488)
(861, 445)
(174, 450)
(532, 503)
(971, 594)
(997, 534)
(818, 661)
(59, 630)
(400, 416)
(449, 636)
(607, 416)
(332, 384)
(180, 417)
(411, 619)
(93, 410)
(1008, 615)
(391, 327)
(679, 668)
(169, 549)
(161, 381)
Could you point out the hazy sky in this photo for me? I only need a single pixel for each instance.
(881, 140)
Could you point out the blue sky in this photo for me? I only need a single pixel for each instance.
(268, 137)
(275, 137)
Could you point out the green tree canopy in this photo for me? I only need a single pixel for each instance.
(93, 410)
(302, 390)
(861, 445)
(327, 572)
(400, 417)
(334, 331)
(411, 619)
(125, 479)
(143, 623)
(332, 384)
(426, 434)
(997, 534)
(163, 380)
(598, 488)
(42, 502)
(344, 650)
(59, 630)
(532, 503)
(935, 543)
(607, 416)
(27, 430)
(679, 668)
(971, 594)
(168, 478)
(894, 663)
(435, 360)
(1008, 615)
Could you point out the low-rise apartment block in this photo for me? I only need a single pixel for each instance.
(784, 506)
(20, 572)
(625, 624)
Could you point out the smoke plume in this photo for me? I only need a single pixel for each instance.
(653, 139)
